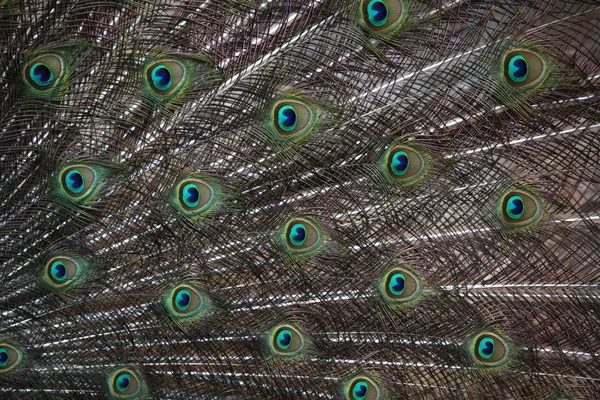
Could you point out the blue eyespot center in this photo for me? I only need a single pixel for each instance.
(3, 357)
(298, 234)
(161, 77)
(400, 163)
(377, 12)
(515, 207)
(287, 118)
(75, 181)
(123, 382)
(486, 348)
(41, 74)
(284, 339)
(518, 69)
(360, 390)
(59, 271)
(183, 299)
(397, 284)
(191, 195)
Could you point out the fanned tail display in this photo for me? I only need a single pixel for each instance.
(318, 199)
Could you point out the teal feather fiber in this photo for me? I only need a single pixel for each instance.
(312, 199)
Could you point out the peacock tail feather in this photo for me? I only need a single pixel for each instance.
(318, 199)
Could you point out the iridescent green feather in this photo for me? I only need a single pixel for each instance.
(79, 182)
(46, 72)
(362, 387)
(384, 18)
(302, 236)
(11, 358)
(63, 272)
(404, 164)
(400, 286)
(186, 302)
(293, 118)
(490, 350)
(519, 209)
(167, 78)
(522, 71)
(286, 341)
(194, 197)
(126, 383)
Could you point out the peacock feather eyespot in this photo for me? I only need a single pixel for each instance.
(126, 383)
(520, 208)
(79, 182)
(11, 358)
(45, 71)
(186, 302)
(362, 387)
(195, 196)
(286, 340)
(62, 272)
(400, 285)
(302, 236)
(293, 118)
(525, 69)
(166, 77)
(490, 350)
(404, 164)
(382, 17)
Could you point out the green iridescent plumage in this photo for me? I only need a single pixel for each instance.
(46, 72)
(168, 78)
(383, 17)
(400, 286)
(293, 119)
(186, 302)
(79, 182)
(490, 350)
(354, 199)
(524, 69)
(362, 387)
(287, 341)
(62, 272)
(404, 164)
(302, 236)
(524, 72)
(520, 208)
(127, 384)
(11, 358)
(194, 197)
